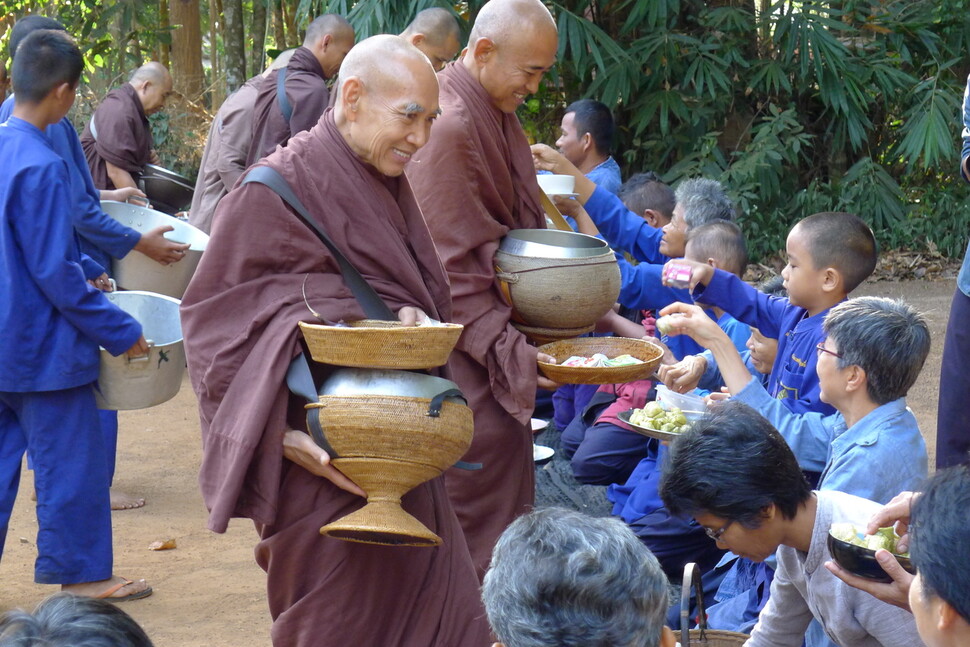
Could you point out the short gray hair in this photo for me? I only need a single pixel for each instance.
(65, 620)
(704, 201)
(560, 578)
(887, 338)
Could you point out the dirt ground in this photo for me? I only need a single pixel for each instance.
(209, 592)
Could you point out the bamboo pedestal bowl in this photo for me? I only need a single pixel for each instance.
(389, 431)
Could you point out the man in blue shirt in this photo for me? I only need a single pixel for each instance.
(53, 324)
(586, 140)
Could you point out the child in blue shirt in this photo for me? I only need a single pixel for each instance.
(53, 324)
(829, 255)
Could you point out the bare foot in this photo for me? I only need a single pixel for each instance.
(114, 589)
(122, 501)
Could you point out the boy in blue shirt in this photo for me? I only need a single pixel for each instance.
(829, 255)
(53, 323)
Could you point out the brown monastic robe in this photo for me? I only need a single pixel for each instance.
(124, 137)
(306, 88)
(239, 317)
(224, 158)
(475, 181)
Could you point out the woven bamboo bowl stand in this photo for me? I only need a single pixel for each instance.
(388, 445)
(372, 343)
(650, 354)
(556, 293)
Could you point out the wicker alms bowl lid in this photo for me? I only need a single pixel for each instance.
(372, 343)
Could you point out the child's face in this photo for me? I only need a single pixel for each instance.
(802, 280)
(763, 351)
(66, 95)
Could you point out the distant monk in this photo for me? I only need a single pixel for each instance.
(328, 39)
(435, 32)
(117, 141)
(475, 181)
(224, 157)
(240, 317)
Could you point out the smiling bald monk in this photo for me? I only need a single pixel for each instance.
(475, 181)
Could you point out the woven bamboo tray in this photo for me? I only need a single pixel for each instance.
(651, 355)
(371, 343)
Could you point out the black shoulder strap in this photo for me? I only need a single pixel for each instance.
(374, 307)
(281, 98)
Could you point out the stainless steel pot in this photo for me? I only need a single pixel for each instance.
(552, 243)
(364, 381)
(142, 382)
(167, 190)
(138, 272)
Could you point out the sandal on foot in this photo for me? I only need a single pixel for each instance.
(137, 595)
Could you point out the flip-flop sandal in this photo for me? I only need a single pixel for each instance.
(137, 595)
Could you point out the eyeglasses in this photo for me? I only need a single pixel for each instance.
(716, 534)
(822, 349)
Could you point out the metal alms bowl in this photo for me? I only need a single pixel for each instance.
(137, 383)
(552, 243)
(167, 190)
(365, 381)
(138, 272)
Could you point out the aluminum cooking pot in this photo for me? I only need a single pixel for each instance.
(138, 272)
(552, 243)
(364, 381)
(167, 190)
(136, 383)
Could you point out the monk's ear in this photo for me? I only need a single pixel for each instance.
(325, 42)
(350, 95)
(483, 50)
(417, 39)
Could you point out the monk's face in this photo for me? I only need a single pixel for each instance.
(512, 69)
(153, 95)
(333, 52)
(439, 53)
(393, 117)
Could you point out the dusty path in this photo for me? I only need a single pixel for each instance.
(209, 591)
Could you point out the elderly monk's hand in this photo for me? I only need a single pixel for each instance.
(153, 157)
(544, 382)
(546, 158)
(411, 316)
(160, 249)
(300, 448)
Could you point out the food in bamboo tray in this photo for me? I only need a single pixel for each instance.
(599, 360)
(654, 416)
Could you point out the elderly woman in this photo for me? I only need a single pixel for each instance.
(563, 579)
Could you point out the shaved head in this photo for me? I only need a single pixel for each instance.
(506, 20)
(153, 71)
(330, 23)
(387, 99)
(437, 24)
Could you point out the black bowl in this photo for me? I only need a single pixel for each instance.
(862, 561)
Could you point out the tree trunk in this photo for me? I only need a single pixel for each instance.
(164, 23)
(292, 35)
(258, 34)
(187, 48)
(218, 87)
(233, 38)
(279, 34)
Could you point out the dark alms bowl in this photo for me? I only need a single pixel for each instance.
(862, 561)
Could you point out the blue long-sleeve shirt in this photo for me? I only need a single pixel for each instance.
(52, 320)
(878, 457)
(623, 229)
(793, 378)
(607, 175)
(102, 237)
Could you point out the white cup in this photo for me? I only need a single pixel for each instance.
(556, 184)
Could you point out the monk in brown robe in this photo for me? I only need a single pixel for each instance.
(435, 32)
(328, 39)
(475, 181)
(224, 157)
(117, 141)
(240, 317)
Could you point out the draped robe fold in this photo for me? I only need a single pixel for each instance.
(240, 317)
(124, 137)
(475, 181)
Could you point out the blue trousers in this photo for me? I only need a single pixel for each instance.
(953, 419)
(61, 431)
